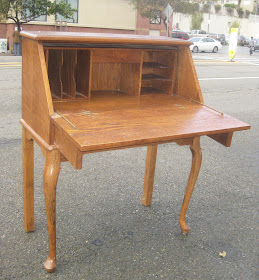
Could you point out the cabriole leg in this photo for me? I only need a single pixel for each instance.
(196, 164)
(28, 182)
(149, 175)
(50, 177)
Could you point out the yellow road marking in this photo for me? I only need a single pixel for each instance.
(14, 62)
(10, 64)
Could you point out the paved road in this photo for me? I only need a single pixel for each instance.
(242, 56)
(103, 230)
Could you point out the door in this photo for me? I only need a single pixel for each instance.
(211, 44)
(204, 45)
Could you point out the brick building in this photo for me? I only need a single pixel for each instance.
(112, 16)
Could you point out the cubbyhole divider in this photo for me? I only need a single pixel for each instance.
(80, 73)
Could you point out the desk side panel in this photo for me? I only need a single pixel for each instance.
(36, 97)
(187, 84)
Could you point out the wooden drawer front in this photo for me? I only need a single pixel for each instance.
(116, 55)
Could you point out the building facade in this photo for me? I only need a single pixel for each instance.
(105, 16)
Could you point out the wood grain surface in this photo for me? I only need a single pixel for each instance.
(103, 38)
(87, 92)
(110, 121)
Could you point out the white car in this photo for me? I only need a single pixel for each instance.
(204, 44)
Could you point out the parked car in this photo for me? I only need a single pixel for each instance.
(242, 40)
(227, 38)
(219, 37)
(204, 44)
(180, 35)
(195, 31)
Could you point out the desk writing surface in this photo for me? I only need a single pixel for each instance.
(105, 122)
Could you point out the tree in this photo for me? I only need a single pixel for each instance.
(151, 8)
(197, 19)
(23, 11)
(155, 8)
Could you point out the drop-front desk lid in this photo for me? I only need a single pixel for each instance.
(110, 123)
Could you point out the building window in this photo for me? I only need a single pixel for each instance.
(26, 15)
(74, 5)
(156, 19)
(41, 18)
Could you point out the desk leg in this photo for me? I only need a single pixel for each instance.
(50, 177)
(28, 182)
(196, 164)
(149, 175)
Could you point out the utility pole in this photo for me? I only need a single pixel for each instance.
(256, 8)
(208, 30)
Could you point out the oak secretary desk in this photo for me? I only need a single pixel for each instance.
(84, 93)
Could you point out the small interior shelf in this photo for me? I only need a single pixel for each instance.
(151, 90)
(148, 77)
(158, 72)
(154, 65)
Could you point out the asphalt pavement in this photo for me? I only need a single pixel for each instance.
(103, 230)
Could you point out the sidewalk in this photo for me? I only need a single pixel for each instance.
(9, 57)
(6, 54)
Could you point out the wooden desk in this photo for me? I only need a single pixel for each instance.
(84, 93)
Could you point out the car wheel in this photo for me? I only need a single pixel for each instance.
(195, 49)
(215, 49)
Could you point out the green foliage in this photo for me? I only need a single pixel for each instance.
(23, 11)
(230, 8)
(149, 8)
(152, 8)
(247, 13)
(217, 8)
(2, 17)
(206, 8)
(240, 12)
(235, 24)
(197, 19)
(185, 7)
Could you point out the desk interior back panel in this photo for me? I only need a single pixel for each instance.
(68, 73)
(83, 73)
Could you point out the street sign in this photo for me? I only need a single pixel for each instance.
(168, 11)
